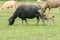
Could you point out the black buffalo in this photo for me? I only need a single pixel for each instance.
(27, 11)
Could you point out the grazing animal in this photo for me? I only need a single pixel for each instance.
(48, 17)
(51, 4)
(0, 8)
(42, 5)
(25, 11)
(9, 4)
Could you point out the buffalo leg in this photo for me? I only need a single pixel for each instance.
(43, 21)
(50, 9)
(24, 19)
(59, 8)
(37, 20)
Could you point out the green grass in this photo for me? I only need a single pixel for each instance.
(20, 31)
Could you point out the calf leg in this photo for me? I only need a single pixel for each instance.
(53, 20)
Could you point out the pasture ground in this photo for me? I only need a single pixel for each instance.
(20, 31)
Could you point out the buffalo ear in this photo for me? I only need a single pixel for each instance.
(40, 11)
(10, 20)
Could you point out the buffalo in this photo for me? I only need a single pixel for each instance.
(51, 4)
(27, 11)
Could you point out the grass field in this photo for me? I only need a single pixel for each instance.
(20, 31)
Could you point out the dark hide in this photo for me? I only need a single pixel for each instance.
(26, 11)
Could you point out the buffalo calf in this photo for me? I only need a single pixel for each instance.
(49, 17)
